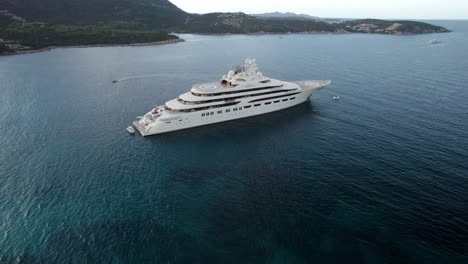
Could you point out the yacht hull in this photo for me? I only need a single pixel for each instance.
(245, 108)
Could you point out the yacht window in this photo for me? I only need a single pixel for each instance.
(203, 114)
(292, 98)
(212, 113)
(265, 81)
(235, 109)
(219, 112)
(239, 91)
(240, 108)
(247, 106)
(284, 100)
(228, 110)
(276, 101)
(273, 98)
(268, 103)
(168, 122)
(255, 105)
(180, 120)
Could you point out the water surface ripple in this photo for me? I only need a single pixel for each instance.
(380, 176)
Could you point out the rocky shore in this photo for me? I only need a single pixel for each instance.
(28, 51)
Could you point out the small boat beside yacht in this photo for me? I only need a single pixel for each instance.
(131, 130)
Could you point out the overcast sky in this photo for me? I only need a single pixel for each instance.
(410, 9)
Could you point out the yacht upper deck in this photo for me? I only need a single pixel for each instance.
(238, 79)
(239, 86)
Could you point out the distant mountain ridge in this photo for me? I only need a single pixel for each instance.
(144, 13)
(285, 15)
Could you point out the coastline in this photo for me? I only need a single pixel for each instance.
(340, 32)
(171, 41)
(155, 43)
(270, 33)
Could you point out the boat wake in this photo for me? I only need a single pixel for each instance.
(137, 77)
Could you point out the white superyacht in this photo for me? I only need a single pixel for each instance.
(243, 92)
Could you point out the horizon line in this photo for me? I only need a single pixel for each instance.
(247, 13)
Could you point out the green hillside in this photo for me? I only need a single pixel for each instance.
(241, 23)
(153, 14)
(245, 24)
(86, 22)
(72, 35)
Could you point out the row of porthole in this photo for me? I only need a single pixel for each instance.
(267, 103)
(240, 108)
(221, 111)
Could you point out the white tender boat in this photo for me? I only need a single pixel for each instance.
(131, 130)
(243, 92)
(336, 97)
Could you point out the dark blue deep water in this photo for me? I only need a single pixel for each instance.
(378, 177)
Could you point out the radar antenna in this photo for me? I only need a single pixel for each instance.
(250, 66)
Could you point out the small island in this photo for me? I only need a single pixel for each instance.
(29, 25)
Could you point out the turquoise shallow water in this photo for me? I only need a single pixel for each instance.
(380, 176)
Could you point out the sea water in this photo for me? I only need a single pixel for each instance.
(380, 176)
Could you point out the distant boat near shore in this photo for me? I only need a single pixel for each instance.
(435, 42)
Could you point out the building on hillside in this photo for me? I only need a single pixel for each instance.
(11, 44)
(40, 24)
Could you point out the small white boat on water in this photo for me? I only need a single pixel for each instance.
(435, 42)
(336, 97)
(131, 130)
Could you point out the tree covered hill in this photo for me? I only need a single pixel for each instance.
(154, 14)
(246, 24)
(35, 24)
(240, 23)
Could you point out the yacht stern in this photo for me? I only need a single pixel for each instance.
(141, 128)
